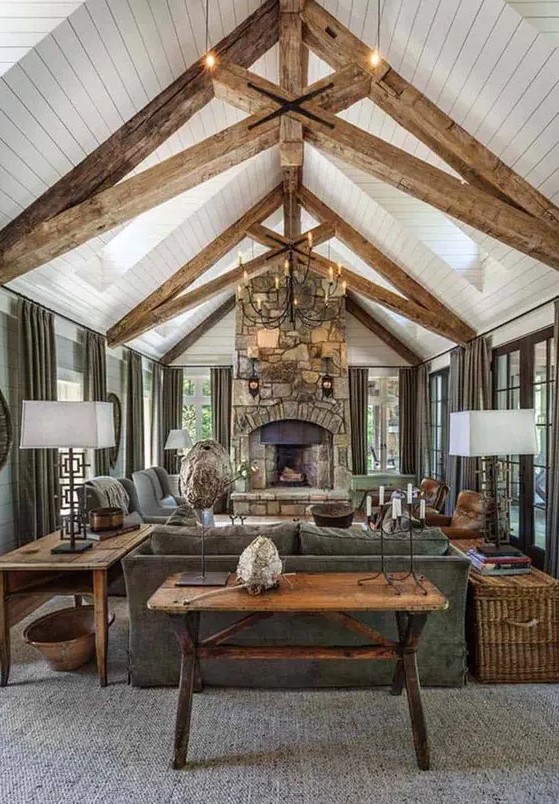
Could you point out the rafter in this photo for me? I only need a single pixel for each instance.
(320, 234)
(127, 328)
(374, 326)
(142, 134)
(291, 130)
(338, 47)
(194, 335)
(386, 298)
(193, 298)
(133, 196)
(382, 264)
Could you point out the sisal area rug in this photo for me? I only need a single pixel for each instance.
(63, 740)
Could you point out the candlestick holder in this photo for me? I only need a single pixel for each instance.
(402, 523)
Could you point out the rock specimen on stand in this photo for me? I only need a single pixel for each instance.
(260, 566)
(205, 473)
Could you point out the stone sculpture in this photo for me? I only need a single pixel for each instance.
(205, 473)
(260, 566)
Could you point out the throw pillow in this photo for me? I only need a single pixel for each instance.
(182, 515)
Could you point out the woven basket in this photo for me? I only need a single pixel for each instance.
(514, 632)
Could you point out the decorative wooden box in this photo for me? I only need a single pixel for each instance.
(513, 628)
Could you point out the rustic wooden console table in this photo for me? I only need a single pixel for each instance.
(330, 595)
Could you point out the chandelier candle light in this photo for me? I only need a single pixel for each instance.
(289, 298)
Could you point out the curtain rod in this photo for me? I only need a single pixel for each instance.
(497, 326)
(72, 321)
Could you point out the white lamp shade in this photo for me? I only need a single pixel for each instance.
(61, 425)
(178, 439)
(475, 433)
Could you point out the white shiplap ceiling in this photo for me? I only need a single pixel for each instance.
(482, 61)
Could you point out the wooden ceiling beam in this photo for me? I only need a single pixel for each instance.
(386, 298)
(193, 298)
(450, 195)
(291, 130)
(150, 127)
(138, 194)
(267, 237)
(382, 264)
(385, 335)
(338, 47)
(194, 335)
(130, 325)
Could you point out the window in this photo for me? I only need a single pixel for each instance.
(439, 421)
(197, 406)
(383, 424)
(523, 374)
(147, 390)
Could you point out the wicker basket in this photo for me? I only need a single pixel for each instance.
(514, 628)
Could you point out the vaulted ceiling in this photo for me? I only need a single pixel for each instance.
(479, 61)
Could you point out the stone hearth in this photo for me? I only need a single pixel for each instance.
(283, 502)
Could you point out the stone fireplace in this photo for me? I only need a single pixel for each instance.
(297, 440)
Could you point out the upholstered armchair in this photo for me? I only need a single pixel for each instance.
(153, 488)
(468, 519)
(434, 492)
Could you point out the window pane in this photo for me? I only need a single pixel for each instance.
(540, 361)
(189, 421)
(188, 387)
(514, 369)
(206, 388)
(502, 371)
(206, 426)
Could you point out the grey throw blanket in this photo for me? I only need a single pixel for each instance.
(111, 493)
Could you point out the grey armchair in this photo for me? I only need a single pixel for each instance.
(154, 495)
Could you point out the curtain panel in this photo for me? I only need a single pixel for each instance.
(455, 397)
(156, 433)
(423, 421)
(171, 412)
(408, 388)
(476, 395)
(37, 472)
(552, 522)
(358, 402)
(95, 387)
(134, 451)
(221, 381)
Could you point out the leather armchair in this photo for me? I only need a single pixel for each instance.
(468, 519)
(434, 492)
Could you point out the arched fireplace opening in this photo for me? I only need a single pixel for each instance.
(292, 453)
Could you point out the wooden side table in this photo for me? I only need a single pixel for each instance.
(512, 626)
(31, 573)
(330, 595)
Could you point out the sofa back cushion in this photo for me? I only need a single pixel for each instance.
(356, 541)
(228, 540)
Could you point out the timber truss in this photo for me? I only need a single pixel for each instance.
(95, 197)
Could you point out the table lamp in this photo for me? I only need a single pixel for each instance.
(179, 440)
(487, 434)
(68, 425)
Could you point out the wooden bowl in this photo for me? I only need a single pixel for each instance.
(332, 515)
(101, 519)
(66, 638)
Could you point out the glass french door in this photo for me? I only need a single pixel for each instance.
(523, 374)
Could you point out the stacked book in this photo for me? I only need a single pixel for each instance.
(504, 561)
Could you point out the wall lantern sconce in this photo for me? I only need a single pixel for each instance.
(327, 382)
(253, 380)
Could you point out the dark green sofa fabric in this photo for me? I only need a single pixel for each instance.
(229, 540)
(317, 541)
(154, 654)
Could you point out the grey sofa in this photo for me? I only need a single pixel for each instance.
(154, 654)
(135, 514)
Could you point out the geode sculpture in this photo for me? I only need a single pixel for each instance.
(205, 473)
(260, 566)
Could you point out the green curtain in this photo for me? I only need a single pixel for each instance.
(156, 416)
(37, 476)
(408, 420)
(171, 414)
(221, 382)
(552, 520)
(134, 446)
(476, 395)
(358, 402)
(422, 422)
(455, 402)
(95, 387)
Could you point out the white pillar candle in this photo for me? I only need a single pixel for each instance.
(394, 509)
(381, 495)
(409, 493)
(422, 509)
(369, 505)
